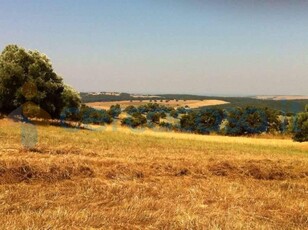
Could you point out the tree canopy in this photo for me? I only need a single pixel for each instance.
(28, 76)
(301, 132)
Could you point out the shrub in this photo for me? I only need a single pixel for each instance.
(163, 115)
(166, 125)
(174, 114)
(246, 121)
(115, 111)
(181, 110)
(203, 121)
(153, 117)
(137, 119)
(301, 132)
(130, 109)
(88, 115)
(187, 122)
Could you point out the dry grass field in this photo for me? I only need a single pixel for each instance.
(118, 178)
(173, 103)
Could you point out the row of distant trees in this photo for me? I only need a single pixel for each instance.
(232, 122)
(29, 87)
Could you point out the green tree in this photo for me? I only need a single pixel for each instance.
(301, 132)
(203, 121)
(174, 114)
(71, 103)
(89, 115)
(166, 125)
(181, 110)
(130, 109)
(187, 122)
(115, 111)
(248, 121)
(137, 119)
(28, 76)
(275, 123)
(153, 117)
(163, 115)
(209, 120)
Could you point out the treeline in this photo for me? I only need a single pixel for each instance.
(235, 121)
(288, 107)
(232, 122)
(89, 97)
(149, 114)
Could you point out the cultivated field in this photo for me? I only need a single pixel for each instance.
(173, 103)
(133, 179)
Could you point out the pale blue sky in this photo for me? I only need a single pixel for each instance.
(164, 46)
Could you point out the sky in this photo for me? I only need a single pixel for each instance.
(221, 47)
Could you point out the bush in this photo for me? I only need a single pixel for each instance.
(203, 121)
(115, 111)
(274, 123)
(131, 109)
(301, 132)
(153, 117)
(88, 115)
(174, 114)
(166, 125)
(181, 110)
(246, 121)
(137, 119)
(143, 109)
(163, 115)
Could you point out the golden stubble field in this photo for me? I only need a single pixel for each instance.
(173, 103)
(117, 178)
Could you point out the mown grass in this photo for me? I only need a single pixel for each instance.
(128, 179)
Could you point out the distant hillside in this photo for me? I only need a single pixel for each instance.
(283, 97)
(105, 97)
(288, 106)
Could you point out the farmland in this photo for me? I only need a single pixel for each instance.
(153, 115)
(173, 103)
(119, 178)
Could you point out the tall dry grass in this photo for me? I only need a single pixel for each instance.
(79, 179)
